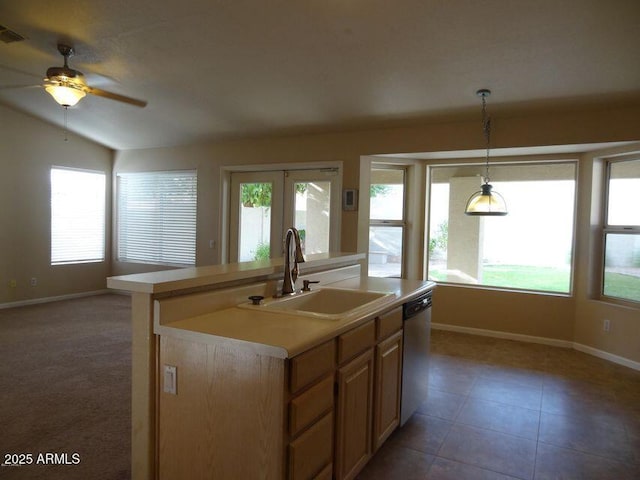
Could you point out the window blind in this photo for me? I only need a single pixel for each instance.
(77, 216)
(157, 217)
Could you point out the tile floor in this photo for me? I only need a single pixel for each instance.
(499, 409)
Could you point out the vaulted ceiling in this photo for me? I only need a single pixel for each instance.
(217, 69)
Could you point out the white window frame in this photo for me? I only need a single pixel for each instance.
(331, 175)
(170, 236)
(615, 230)
(78, 234)
(393, 223)
(228, 238)
(468, 166)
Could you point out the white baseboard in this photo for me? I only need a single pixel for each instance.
(35, 301)
(607, 356)
(506, 335)
(543, 340)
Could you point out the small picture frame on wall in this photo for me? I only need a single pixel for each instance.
(349, 199)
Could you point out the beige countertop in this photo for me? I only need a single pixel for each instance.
(284, 335)
(194, 277)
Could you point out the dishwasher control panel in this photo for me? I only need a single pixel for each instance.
(416, 305)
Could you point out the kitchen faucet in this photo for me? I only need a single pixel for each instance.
(291, 274)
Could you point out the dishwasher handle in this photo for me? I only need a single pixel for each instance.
(414, 307)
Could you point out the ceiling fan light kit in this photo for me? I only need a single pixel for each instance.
(65, 95)
(67, 86)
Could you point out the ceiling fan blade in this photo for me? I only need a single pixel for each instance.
(114, 96)
(13, 87)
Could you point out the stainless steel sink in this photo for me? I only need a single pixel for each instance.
(327, 303)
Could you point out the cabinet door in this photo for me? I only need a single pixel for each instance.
(386, 414)
(353, 422)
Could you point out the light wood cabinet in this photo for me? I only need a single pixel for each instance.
(225, 419)
(310, 418)
(354, 408)
(388, 383)
(312, 451)
(310, 405)
(326, 473)
(388, 323)
(355, 341)
(388, 375)
(311, 365)
(317, 416)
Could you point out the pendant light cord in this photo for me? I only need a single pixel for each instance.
(486, 127)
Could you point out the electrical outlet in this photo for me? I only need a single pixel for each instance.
(13, 284)
(34, 282)
(170, 379)
(606, 325)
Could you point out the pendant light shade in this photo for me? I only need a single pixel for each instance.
(486, 202)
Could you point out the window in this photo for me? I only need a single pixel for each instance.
(77, 216)
(263, 204)
(312, 195)
(621, 277)
(530, 248)
(386, 222)
(157, 217)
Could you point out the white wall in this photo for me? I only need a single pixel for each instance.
(28, 149)
(520, 313)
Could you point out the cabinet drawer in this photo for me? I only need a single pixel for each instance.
(311, 365)
(388, 323)
(312, 451)
(355, 341)
(326, 473)
(305, 408)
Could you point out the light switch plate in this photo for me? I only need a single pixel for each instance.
(170, 379)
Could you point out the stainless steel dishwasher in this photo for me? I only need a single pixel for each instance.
(415, 359)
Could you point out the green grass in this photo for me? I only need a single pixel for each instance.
(622, 286)
(547, 279)
(518, 276)
(529, 278)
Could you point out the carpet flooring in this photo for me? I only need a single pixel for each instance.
(65, 388)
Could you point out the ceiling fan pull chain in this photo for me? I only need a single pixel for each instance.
(66, 130)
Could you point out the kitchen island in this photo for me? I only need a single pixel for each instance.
(226, 392)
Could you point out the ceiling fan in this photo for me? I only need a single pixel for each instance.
(68, 86)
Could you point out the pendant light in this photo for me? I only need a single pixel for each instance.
(486, 202)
